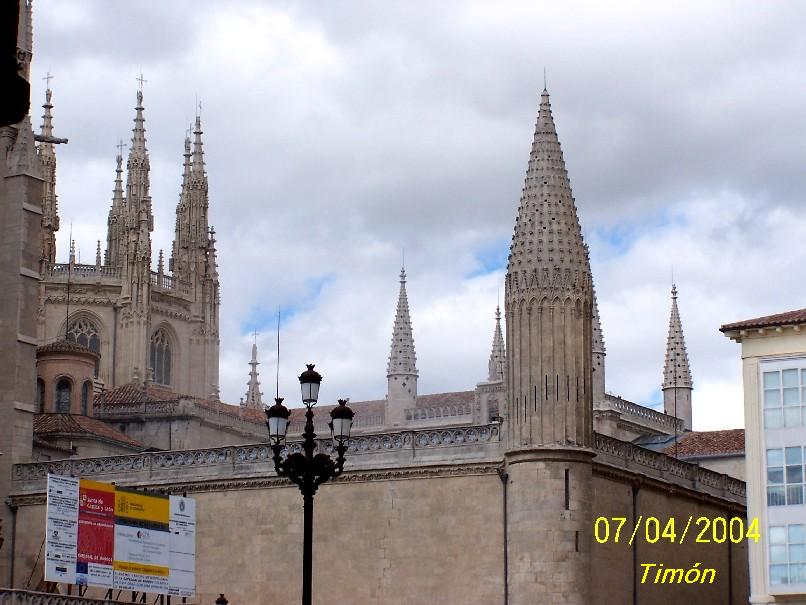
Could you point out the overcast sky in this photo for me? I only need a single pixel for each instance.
(339, 133)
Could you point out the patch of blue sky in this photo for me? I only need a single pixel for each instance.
(491, 258)
(620, 237)
(262, 318)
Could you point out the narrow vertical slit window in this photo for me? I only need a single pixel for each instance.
(567, 489)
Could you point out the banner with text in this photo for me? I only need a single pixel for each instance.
(100, 535)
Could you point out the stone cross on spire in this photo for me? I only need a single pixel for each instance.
(401, 372)
(677, 383)
(498, 355)
(254, 398)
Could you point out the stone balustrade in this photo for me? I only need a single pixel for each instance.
(81, 272)
(438, 411)
(10, 596)
(668, 423)
(635, 456)
(233, 456)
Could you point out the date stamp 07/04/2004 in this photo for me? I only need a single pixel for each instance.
(697, 530)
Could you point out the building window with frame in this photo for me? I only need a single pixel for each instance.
(787, 554)
(161, 357)
(64, 390)
(84, 332)
(784, 398)
(86, 389)
(785, 476)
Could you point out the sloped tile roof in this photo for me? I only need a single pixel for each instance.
(708, 443)
(132, 393)
(768, 321)
(51, 425)
(67, 346)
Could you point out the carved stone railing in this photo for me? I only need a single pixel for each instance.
(360, 421)
(668, 423)
(438, 411)
(247, 454)
(667, 465)
(171, 409)
(79, 272)
(10, 596)
(169, 282)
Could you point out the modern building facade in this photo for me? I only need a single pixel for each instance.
(774, 377)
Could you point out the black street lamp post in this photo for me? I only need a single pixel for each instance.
(306, 469)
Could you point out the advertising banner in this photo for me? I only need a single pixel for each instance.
(96, 533)
(121, 538)
(61, 526)
(142, 541)
(182, 578)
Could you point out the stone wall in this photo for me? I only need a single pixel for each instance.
(418, 518)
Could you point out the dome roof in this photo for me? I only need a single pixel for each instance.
(66, 346)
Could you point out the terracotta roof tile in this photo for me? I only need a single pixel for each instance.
(67, 346)
(708, 443)
(46, 425)
(768, 321)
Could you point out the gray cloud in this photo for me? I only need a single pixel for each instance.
(338, 133)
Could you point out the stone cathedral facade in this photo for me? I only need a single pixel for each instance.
(150, 326)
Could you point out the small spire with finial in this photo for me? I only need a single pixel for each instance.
(98, 255)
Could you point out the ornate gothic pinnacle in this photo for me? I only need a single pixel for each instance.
(98, 255)
(253, 395)
(138, 148)
(547, 251)
(46, 147)
(597, 341)
(402, 357)
(498, 355)
(198, 153)
(676, 370)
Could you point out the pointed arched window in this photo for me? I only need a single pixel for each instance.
(84, 332)
(161, 357)
(63, 393)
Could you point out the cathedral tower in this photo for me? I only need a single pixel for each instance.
(137, 223)
(677, 384)
(401, 373)
(549, 428)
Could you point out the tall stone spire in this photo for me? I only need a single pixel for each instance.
(401, 371)
(549, 305)
(47, 160)
(598, 356)
(254, 398)
(498, 355)
(549, 418)
(677, 383)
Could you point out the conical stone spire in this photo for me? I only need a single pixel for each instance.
(498, 355)
(254, 398)
(677, 383)
(47, 160)
(402, 359)
(549, 306)
(401, 371)
(198, 152)
(549, 404)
